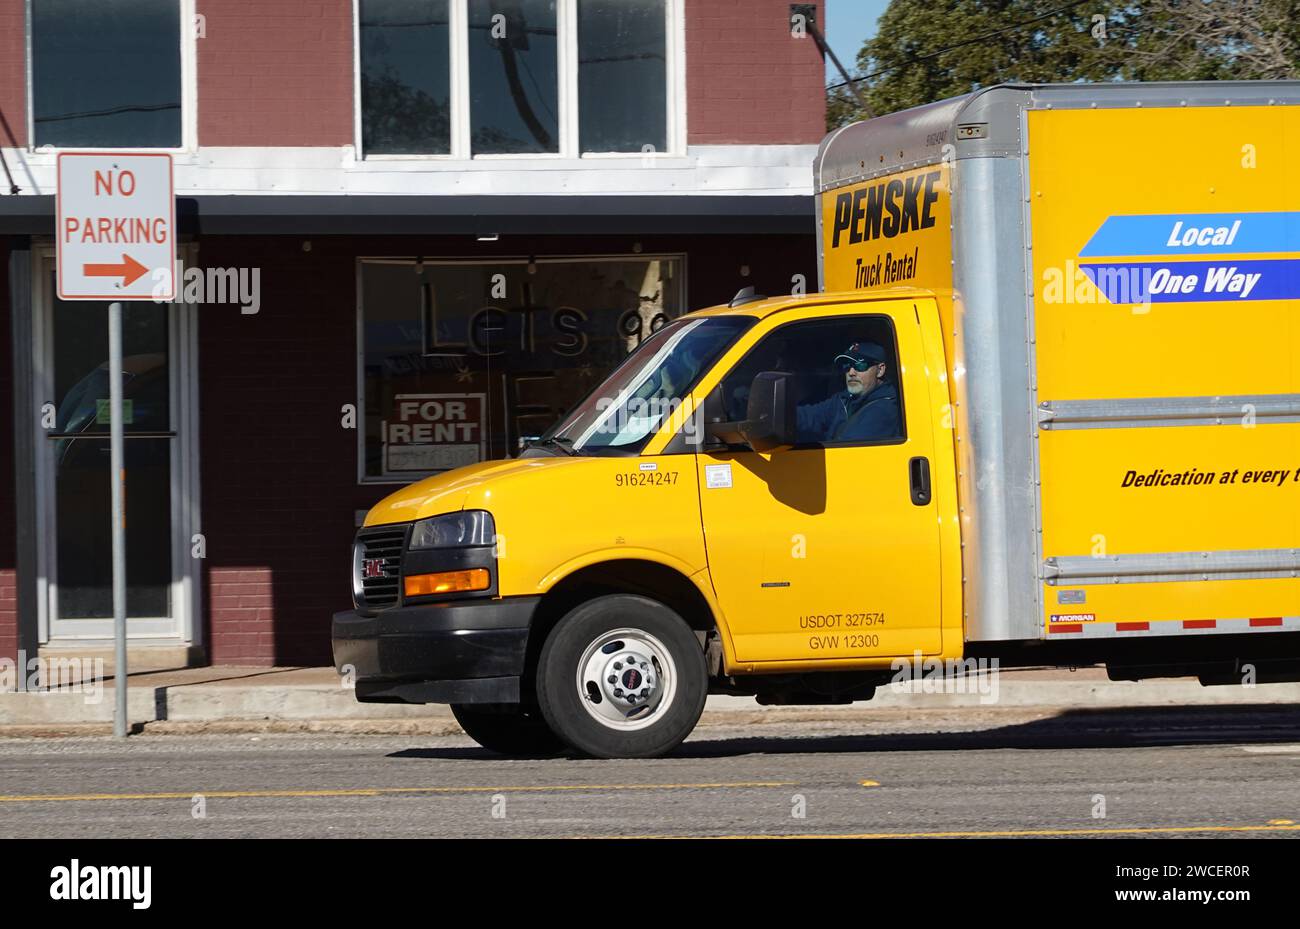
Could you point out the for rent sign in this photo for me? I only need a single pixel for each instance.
(117, 226)
(433, 432)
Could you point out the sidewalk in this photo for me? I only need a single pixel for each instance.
(229, 699)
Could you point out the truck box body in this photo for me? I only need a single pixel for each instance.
(1117, 270)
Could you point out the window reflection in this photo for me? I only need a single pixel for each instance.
(622, 75)
(106, 74)
(513, 77)
(463, 359)
(83, 521)
(405, 77)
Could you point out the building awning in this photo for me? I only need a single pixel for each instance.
(468, 215)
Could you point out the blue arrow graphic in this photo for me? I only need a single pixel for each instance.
(1196, 234)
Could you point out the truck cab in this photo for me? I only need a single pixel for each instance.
(759, 500)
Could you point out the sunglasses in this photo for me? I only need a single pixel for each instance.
(856, 365)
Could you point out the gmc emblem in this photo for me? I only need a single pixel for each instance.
(372, 567)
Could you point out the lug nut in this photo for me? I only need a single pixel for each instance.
(618, 692)
(618, 666)
(613, 678)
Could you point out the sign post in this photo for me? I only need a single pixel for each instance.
(117, 242)
(117, 480)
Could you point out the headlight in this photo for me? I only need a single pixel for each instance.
(454, 530)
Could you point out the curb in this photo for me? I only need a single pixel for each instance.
(322, 708)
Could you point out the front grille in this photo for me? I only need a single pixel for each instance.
(384, 543)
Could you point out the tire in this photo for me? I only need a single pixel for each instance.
(507, 729)
(667, 675)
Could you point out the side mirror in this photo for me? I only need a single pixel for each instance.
(771, 420)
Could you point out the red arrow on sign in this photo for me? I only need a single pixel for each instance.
(129, 270)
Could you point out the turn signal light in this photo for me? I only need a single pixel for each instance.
(447, 582)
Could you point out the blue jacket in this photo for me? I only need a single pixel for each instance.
(843, 417)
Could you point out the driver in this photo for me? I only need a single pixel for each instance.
(866, 410)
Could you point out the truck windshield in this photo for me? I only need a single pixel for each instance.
(620, 416)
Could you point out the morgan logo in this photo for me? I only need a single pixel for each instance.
(372, 567)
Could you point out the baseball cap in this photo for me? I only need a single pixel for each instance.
(861, 353)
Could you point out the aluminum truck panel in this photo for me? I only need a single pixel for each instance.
(994, 403)
(886, 145)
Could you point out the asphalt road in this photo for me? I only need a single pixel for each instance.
(1213, 771)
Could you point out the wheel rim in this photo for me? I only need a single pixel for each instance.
(626, 679)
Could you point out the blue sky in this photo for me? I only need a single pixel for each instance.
(849, 23)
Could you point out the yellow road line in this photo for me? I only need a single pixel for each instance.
(379, 791)
(1005, 833)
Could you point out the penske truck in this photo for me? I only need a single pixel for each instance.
(1043, 411)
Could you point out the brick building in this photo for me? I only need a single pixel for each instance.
(413, 233)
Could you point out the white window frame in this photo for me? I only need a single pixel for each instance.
(185, 624)
(189, 90)
(402, 479)
(566, 17)
(674, 90)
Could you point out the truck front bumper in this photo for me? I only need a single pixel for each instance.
(464, 652)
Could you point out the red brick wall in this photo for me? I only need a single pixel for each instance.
(279, 72)
(748, 80)
(8, 602)
(241, 610)
(8, 615)
(13, 73)
(278, 470)
(274, 72)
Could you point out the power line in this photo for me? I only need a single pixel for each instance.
(113, 111)
(978, 38)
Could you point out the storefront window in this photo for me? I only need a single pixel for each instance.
(462, 360)
(106, 74)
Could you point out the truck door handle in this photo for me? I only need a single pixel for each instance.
(919, 472)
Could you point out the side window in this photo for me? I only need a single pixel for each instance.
(845, 370)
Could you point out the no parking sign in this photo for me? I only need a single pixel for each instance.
(117, 226)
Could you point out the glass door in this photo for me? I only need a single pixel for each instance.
(75, 565)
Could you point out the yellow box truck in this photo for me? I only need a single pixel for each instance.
(1045, 411)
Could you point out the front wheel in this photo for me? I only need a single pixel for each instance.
(622, 677)
(507, 729)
